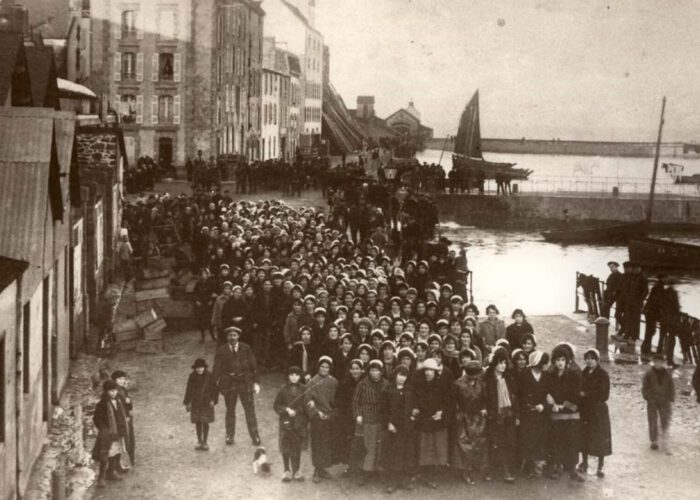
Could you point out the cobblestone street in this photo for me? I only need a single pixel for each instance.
(169, 468)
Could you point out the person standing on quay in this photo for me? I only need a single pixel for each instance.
(201, 395)
(659, 392)
(236, 375)
(636, 292)
(122, 380)
(289, 405)
(369, 410)
(596, 438)
(319, 400)
(612, 286)
(564, 398)
(669, 317)
(112, 434)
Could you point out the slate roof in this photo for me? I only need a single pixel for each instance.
(10, 270)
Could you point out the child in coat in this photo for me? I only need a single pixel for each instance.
(293, 437)
(201, 394)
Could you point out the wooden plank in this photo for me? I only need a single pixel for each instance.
(149, 346)
(128, 345)
(175, 308)
(154, 283)
(151, 273)
(128, 335)
(154, 328)
(158, 293)
(125, 326)
(153, 336)
(146, 318)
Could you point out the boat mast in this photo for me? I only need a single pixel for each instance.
(444, 145)
(650, 208)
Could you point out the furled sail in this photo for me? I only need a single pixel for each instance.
(468, 140)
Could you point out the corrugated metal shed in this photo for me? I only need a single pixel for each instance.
(27, 142)
(24, 208)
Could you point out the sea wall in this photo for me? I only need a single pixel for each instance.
(541, 211)
(576, 148)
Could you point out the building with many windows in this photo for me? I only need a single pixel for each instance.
(291, 22)
(139, 56)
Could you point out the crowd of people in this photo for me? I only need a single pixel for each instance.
(388, 364)
(381, 355)
(629, 293)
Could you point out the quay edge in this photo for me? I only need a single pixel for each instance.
(538, 212)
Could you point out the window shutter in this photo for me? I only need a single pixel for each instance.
(154, 67)
(176, 109)
(139, 24)
(177, 67)
(117, 25)
(117, 105)
(139, 108)
(117, 66)
(139, 67)
(154, 110)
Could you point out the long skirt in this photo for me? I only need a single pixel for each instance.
(323, 437)
(470, 445)
(595, 431)
(564, 439)
(399, 450)
(373, 439)
(502, 434)
(432, 448)
(532, 436)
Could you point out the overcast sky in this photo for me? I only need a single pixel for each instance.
(572, 69)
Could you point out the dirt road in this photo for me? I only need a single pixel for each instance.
(169, 468)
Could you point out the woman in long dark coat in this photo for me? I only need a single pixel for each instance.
(431, 403)
(343, 403)
(112, 434)
(369, 411)
(203, 303)
(502, 414)
(532, 433)
(470, 421)
(595, 418)
(564, 398)
(201, 394)
(400, 451)
(293, 437)
(320, 406)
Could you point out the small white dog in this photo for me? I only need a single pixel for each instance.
(260, 465)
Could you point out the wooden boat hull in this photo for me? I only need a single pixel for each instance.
(663, 253)
(490, 168)
(618, 233)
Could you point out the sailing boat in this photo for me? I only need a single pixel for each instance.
(656, 252)
(632, 233)
(468, 148)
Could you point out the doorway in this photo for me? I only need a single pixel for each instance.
(165, 152)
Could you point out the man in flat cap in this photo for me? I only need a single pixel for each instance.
(236, 375)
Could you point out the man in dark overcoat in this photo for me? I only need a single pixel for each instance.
(236, 375)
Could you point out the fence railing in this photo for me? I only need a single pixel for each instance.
(601, 186)
(591, 290)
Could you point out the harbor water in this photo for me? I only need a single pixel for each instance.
(520, 269)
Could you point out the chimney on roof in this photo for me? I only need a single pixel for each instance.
(13, 17)
(365, 107)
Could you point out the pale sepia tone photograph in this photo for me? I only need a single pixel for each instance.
(357, 249)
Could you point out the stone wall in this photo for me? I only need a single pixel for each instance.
(575, 148)
(537, 211)
(97, 150)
